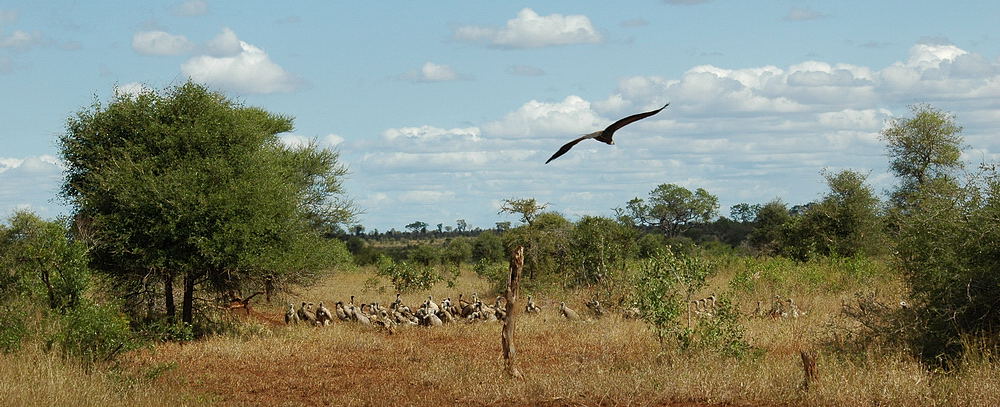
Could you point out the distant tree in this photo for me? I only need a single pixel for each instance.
(547, 244)
(458, 250)
(674, 209)
(770, 227)
(448, 229)
(528, 208)
(503, 226)
(417, 226)
(744, 212)
(487, 246)
(925, 147)
(425, 254)
(187, 183)
(600, 248)
(461, 226)
(440, 227)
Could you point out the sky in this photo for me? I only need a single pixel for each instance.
(443, 109)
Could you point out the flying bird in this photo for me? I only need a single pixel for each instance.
(605, 135)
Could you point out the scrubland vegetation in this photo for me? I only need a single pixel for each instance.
(897, 299)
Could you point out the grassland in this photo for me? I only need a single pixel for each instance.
(608, 362)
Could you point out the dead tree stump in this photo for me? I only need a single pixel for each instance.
(513, 285)
(809, 372)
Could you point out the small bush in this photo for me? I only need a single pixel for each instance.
(407, 277)
(95, 333)
(13, 329)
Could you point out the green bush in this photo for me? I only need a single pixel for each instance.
(94, 333)
(407, 277)
(13, 329)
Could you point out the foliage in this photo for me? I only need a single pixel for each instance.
(673, 209)
(487, 246)
(425, 255)
(664, 286)
(408, 277)
(845, 222)
(457, 250)
(922, 148)
(37, 248)
(13, 329)
(187, 183)
(723, 332)
(546, 244)
(600, 248)
(948, 249)
(770, 227)
(95, 332)
(528, 208)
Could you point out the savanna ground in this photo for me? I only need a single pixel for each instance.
(609, 361)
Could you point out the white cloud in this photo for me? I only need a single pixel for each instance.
(431, 72)
(226, 44)
(530, 30)
(20, 39)
(160, 43)
(297, 141)
(746, 134)
(131, 89)
(30, 183)
(573, 115)
(249, 71)
(190, 8)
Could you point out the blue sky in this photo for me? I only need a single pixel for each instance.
(442, 109)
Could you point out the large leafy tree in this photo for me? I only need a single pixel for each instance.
(186, 184)
(846, 221)
(673, 209)
(926, 147)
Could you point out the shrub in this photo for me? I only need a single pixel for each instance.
(407, 277)
(94, 333)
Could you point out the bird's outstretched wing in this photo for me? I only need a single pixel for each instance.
(610, 130)
(565, 148)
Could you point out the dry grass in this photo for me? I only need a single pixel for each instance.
(35, 378)
(604, 362)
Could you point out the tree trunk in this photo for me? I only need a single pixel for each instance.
(168, 296)
(187, 306)
(808, 369)
(513, 286)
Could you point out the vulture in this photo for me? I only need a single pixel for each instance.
(605, 135)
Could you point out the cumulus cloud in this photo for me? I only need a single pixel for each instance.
(746, 134)
(30, 183)
(250, 70)
(530, 30)
(431, 72)
(160, 43)
(191, 8)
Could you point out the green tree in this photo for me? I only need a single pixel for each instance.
(744, 212)
(546, 243)
(600, 248)
(528, 208)
(487, 246)
(417, 227)
(770, 227)
(674, 209)
(948, 250)
(187, 183)
(845, 222)
(922, 148)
